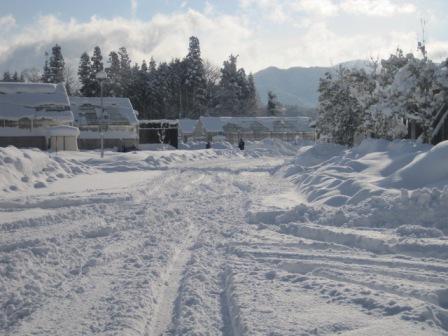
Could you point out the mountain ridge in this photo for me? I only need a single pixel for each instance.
(296, 85)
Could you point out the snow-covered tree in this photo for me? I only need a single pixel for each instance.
(113, 86)
(85, 75)
(31, 75)
(252, 98)
(195, 82)
(414, 88)
(340, 113)
(7, 76)
(56, 65)
(229, 90)
(273, 107)
(97, 66)
(383, 118)
(46, 73)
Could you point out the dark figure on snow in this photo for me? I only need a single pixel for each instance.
(241, 144)
(208, 145)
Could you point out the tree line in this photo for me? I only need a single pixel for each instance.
(379, 102)
(182, 88)
(185, 88)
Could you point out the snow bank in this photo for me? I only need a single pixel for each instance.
(313, 155)
(274, 147)
(21, 169)
(427, 169)
(378, 184)
(195, 145)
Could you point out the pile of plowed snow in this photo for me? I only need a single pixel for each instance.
(147, 160)
(376, 184)
(21, 169)
(426, 170)
(266, 147)
(274, 147)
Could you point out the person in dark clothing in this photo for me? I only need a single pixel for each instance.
(208, 145)
(241, 144)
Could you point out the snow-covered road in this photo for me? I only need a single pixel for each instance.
(194, 249)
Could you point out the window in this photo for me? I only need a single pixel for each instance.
(25, 123)
(11, 123)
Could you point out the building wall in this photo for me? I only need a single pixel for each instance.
(63, 143)
(235, 137)
(90, 144)
(24, 142)
(153, 136)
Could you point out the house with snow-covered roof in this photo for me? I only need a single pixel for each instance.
(118, 122)
(253, 128)
(36, 115)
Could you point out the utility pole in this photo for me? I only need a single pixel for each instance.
(101, 77)
(422, 44)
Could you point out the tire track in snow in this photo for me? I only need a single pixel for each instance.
(171, 282)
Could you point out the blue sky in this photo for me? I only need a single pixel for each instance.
(263, 33)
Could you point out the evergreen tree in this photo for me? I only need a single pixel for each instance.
(7, 76)
(196, 92)
(212, 76)
(56, 65)
(177, 88)
(85, 75)
(96, 67)
(152, 96)
(229, 90)
(113, 86)
(144, 67)
(273, 106)
(181, 88)
(243, 95)
(46, 73)
(125, 74)
(252, 99)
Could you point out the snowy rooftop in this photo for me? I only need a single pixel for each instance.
(260, 124)
(34, 101)
(87, 110)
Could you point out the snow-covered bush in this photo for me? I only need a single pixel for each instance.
(382, 103)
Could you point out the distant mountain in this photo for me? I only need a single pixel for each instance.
(297, 85)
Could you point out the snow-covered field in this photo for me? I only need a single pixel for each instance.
(277, 240)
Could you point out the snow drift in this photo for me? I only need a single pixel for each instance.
(378, 184)
(24, 168)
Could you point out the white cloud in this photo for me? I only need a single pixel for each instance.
(272, 10)
(310, 41)
(316, 7)
(134, 5)
(377, 7)
(7, 23)
(163, 37)
(208, 8)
